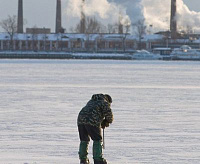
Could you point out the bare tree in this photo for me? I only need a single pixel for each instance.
(140, 29)
(34, 35)
(92, 25)
(187, 31)
(127, 25)
(112, 28)
(10, 26)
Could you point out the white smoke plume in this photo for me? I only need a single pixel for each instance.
(155, 12)
(187, 18)
(102, 9)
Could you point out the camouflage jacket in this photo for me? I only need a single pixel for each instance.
(97, 109)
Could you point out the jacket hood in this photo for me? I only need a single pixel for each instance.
(108, 98)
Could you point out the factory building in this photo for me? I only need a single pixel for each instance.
(69, 42)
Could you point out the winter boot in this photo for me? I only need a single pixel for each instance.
(97, 153)
(100, 162)
(85, 161)
(83, 152)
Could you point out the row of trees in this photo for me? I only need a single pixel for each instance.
(92, 25)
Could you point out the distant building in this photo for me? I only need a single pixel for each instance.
(38, 30)
(36, 40)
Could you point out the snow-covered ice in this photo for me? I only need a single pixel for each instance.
(156, 107)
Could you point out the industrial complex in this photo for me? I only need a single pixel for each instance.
(43, 39)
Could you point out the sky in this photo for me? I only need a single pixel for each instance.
(41, 13)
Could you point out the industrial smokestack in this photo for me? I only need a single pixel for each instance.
(173, 21)
(20, 17)
(120, 26)
(58, 17)
(82, 23)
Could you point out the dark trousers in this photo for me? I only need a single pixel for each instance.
(87, 131)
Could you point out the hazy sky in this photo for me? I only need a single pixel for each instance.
(42, 12)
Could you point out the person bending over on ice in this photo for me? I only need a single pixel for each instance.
(95, 115)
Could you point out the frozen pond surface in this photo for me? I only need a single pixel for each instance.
(156, 107)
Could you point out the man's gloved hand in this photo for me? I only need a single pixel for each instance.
(104, 124)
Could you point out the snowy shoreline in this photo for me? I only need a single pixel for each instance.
(138, 55)
(62, 55)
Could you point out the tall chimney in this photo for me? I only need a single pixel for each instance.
(82, 23)
(120, 26)
(58, 17)
(173, 21)
(20, 17)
